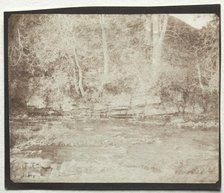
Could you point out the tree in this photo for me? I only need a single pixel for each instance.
(81, 56)
(159, 25)
(197, 51)
(60, 26)
(104, 78)
(22, 63)
(104, 46)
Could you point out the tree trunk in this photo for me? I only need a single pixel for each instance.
(104, 77)
(163, 29)
(148, 32)
(158, 36)
(75, 77)
(104, 42)
(156, 47)
(199, 76)
(82, 92)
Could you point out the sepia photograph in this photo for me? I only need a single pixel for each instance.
(113, 98)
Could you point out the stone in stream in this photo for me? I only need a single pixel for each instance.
(45, 167)
(55, 172)
(88, 129)
(35, 175)
(46, 164)
(15, 150)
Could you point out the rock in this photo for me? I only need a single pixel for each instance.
(55, 173)
(39, 152)
(157, 141)
(46, 164)
(15, 150)
(88, 129)
(35, 175)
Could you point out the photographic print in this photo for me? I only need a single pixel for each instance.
(113, 98)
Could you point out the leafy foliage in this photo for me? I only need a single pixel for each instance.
(60, 59)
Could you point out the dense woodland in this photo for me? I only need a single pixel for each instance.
(60, 62)
(96, 97)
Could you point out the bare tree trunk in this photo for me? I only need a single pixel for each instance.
(82, 92)
(105, 55)
(74, 75)
(158, 36)
(148, 32)
(199, 76)
(163, 29)
(104, 40)
(156, 47)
